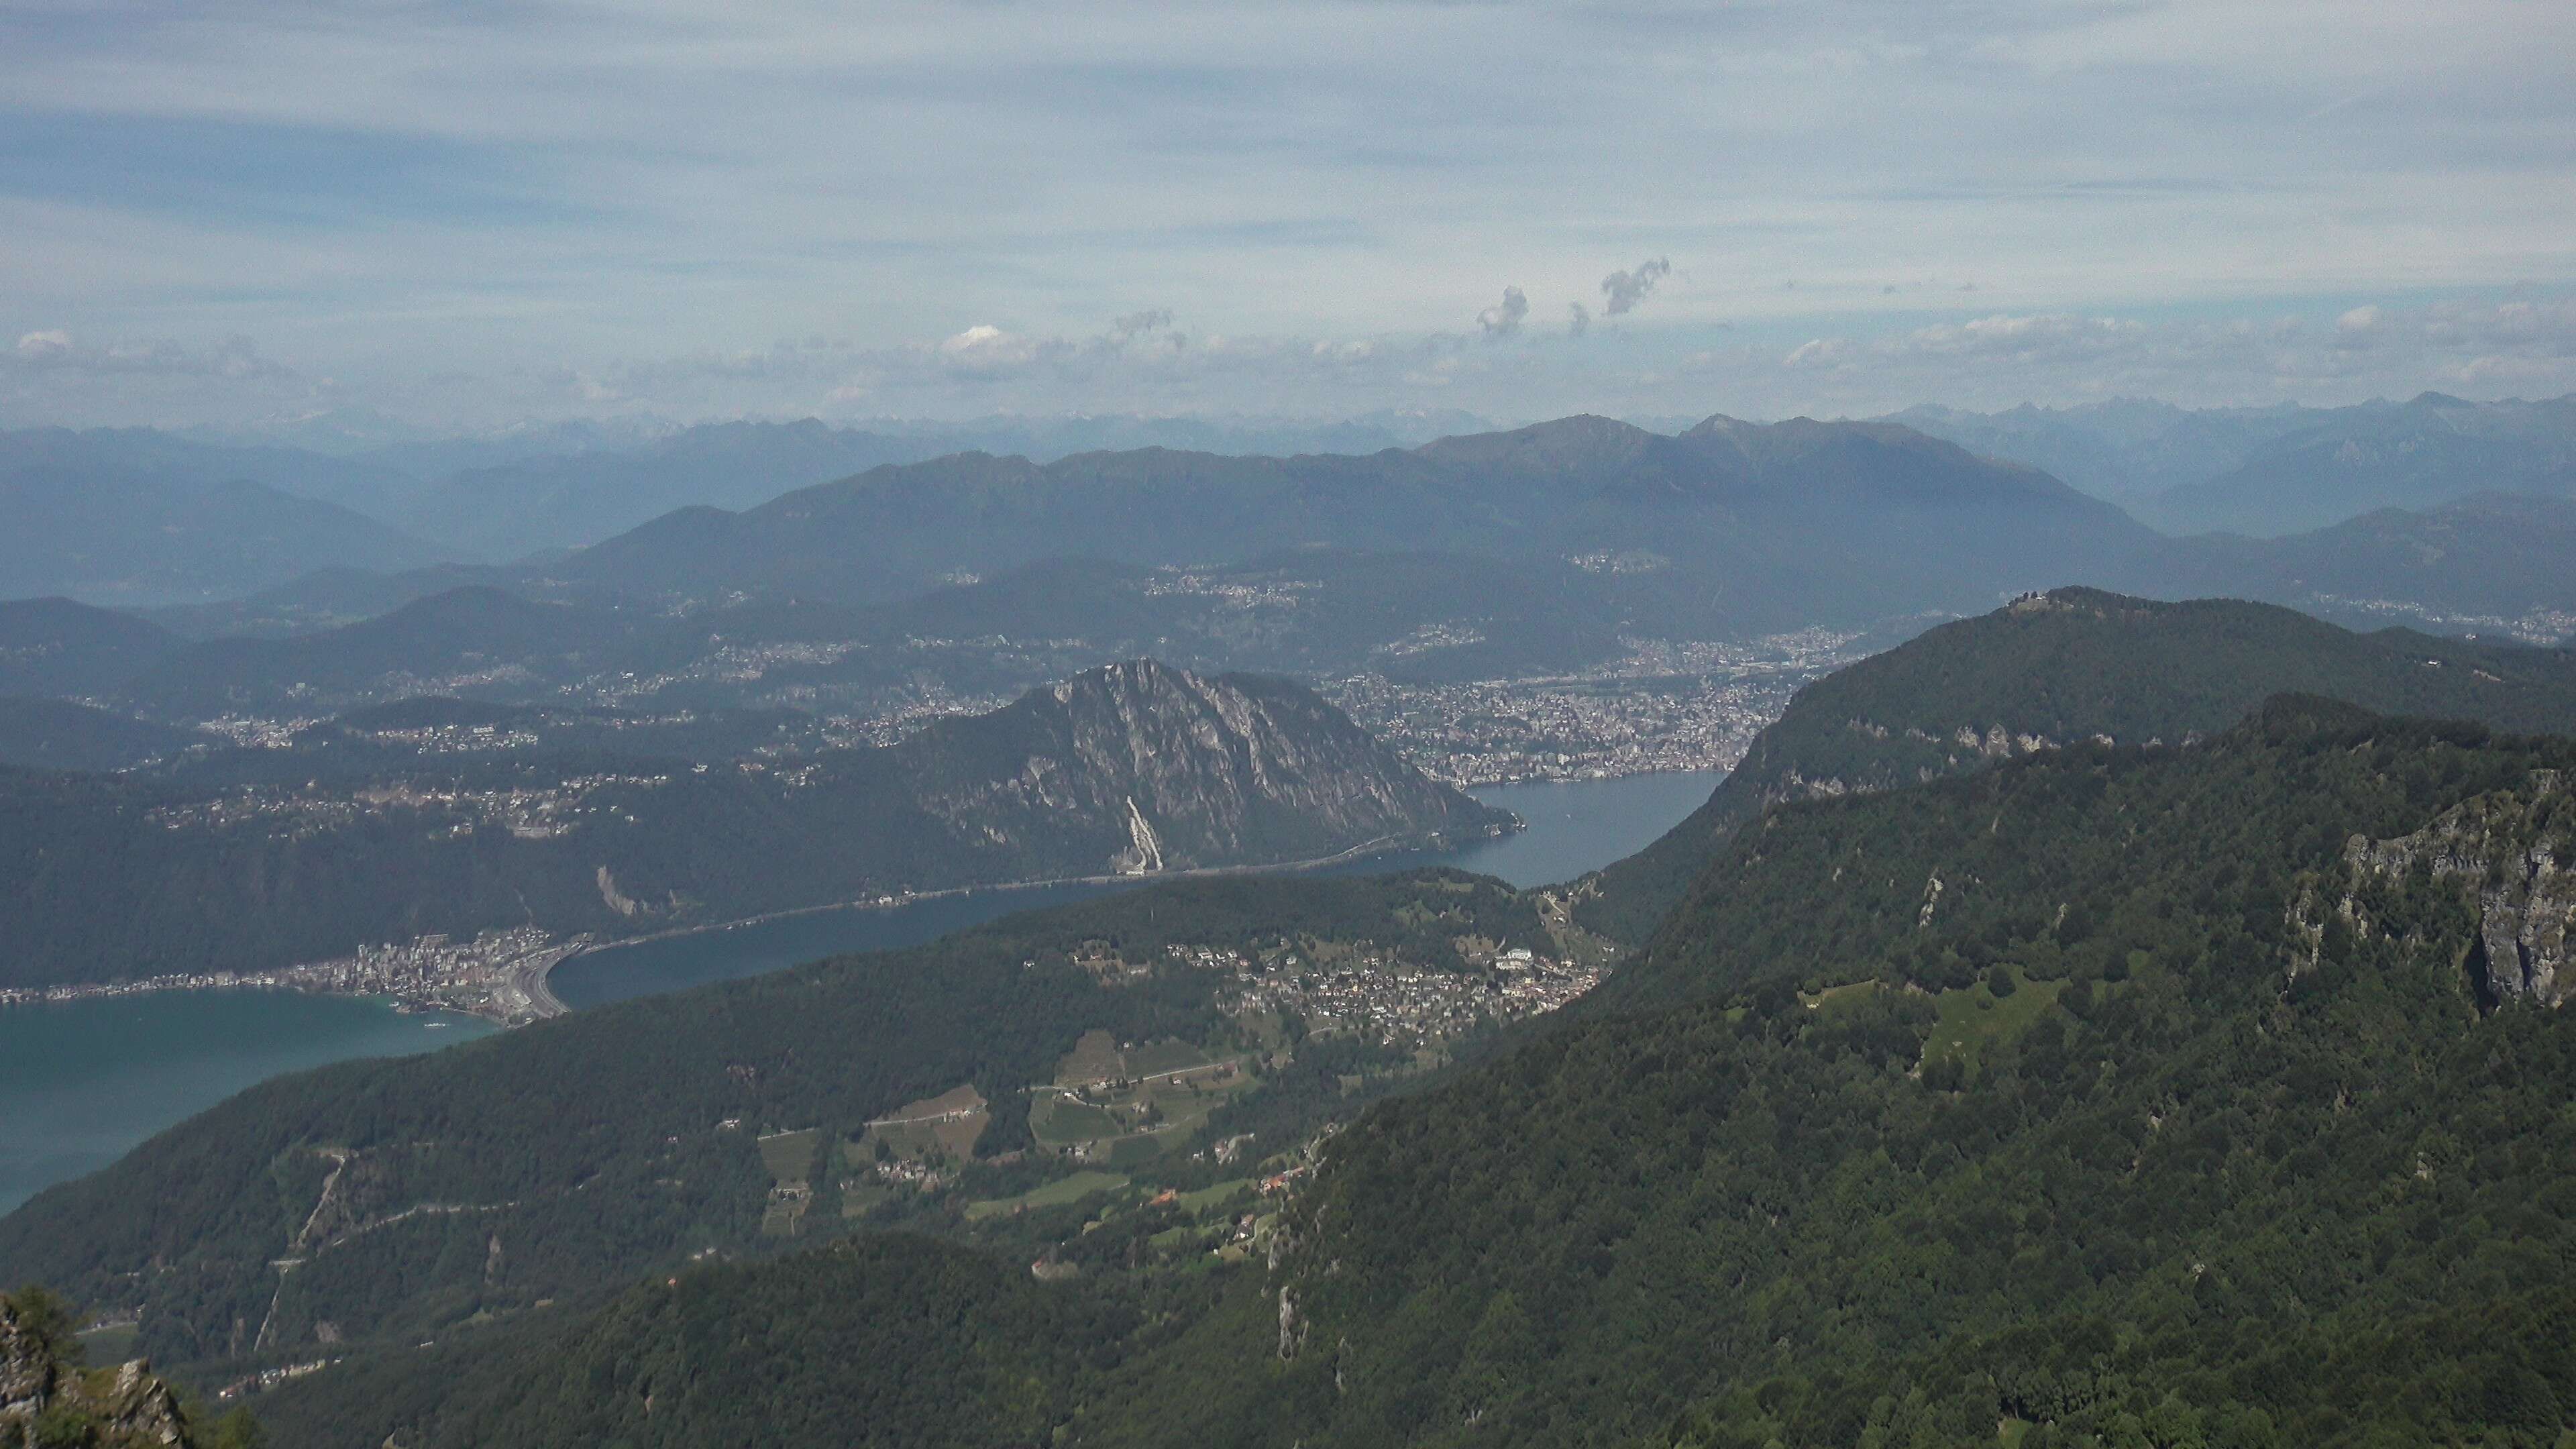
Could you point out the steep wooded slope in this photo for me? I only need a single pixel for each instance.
(2147, 1101)
(2067, 666)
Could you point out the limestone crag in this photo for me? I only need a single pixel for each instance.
(2512, 847)
(27, 1371)
(1140, 768)
(40, 1395)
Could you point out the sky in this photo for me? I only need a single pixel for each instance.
(468, 215)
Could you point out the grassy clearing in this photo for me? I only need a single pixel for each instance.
(1094, 1058)
(957, 1135)
(859, 1195)
(1060, 1123)
(789, 1156)
(948, 1123)
(1834, 996)
(1063, 1190)
(1210, 1197)
(957, 1099)
(1140, 1150)
(1972, 1018)
(1164, 1056)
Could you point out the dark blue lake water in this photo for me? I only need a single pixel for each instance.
(1573, 828)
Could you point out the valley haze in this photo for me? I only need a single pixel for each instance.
(1383, 724)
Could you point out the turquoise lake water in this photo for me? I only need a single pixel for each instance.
(83, 1082)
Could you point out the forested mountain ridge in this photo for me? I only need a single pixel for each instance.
(2486, 562)
(1134, 769)
(54, 646)
(2180, 1112)
(120, 538)
(56, 734)
(2068, 665)
(2114, 1095)
(1229, 771)
(885, 1342)
(422, 1195)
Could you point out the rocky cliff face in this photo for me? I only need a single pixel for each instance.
(1140, 768)
(44, 1400)
(2513, 850)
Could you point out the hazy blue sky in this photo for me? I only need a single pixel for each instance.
(232, 210)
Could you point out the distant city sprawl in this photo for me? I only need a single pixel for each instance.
(1692, 705)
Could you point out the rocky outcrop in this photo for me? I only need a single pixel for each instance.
(126, 1408)
(1141, 768)
(2513, 849)
(27, 1371)
(2523, 933)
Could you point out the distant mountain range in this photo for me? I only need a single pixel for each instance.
(122, 519)
(138, 516)
(311, 849)
(1537, 551)
(1483, 555)
(2279, 470)
(1779, 524)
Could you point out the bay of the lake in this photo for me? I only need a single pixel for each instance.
(1573, 828)
(81, 1082)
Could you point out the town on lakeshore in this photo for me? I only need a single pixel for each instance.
(499, 975)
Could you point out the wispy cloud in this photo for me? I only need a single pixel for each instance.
(57, 351)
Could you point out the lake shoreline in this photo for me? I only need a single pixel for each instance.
(530, 997)
(84, 1080)
(1567, 829)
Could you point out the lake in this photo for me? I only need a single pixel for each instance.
(1573, 828)
(82, 1082)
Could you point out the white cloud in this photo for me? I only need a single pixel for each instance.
(412, 191)
(232, 358)
(1505, 317)
(981, 338)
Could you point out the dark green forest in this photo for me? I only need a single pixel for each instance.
(890, 1342)
(2066, 666)
(2175, 1122)
(567, 1157)
(2240, 1184)
(2153, 1091)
